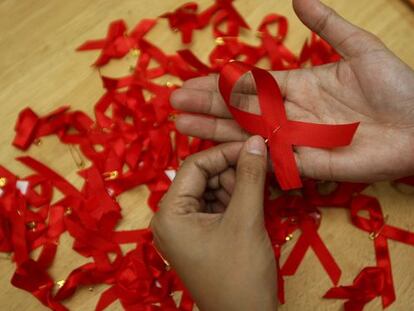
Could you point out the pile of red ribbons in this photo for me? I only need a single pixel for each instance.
(132, 141)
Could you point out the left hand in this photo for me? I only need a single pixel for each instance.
(370, 84)
(210, 227)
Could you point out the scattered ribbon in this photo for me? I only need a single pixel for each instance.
(379, 232)
(131, 141)
(368, 285)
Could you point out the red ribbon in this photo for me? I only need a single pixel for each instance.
(117, 42)
(280, 56)
(380, 232)
(281, 133)
(307, 219)
(369, 284)
(185, 20)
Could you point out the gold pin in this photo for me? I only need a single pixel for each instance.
(38, 142)
(273, 132)
(373, 235)
(76, 156)
(60, 283)
(289, 237)
(135, 52)
(111, 175)
(90, 289)
(3, 182)
(219, 41)
(31, 225)
(131, 68)
(169, 84)
(172, 117)
(68, 211)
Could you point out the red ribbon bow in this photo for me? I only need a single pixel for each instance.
(273, 124)
(380, 232)
(367, 285)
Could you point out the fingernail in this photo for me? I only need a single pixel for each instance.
(255, 145)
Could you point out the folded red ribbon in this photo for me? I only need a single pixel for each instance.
(281, 133)
(367, 285)
(307, 219)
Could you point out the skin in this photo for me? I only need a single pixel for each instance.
(210, 225)
(219, 246)
(370, 84)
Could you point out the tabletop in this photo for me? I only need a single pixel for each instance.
(40, 68)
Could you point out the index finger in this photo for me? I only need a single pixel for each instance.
(190, 183)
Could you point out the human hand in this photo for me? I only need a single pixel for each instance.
(370, 84)
(210, 228)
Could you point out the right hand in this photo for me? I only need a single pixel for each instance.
(210, 227)
(370, 84)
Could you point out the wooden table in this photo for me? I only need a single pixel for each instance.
(39, 68)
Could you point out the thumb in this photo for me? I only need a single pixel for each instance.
(348, 39)
(246, 203)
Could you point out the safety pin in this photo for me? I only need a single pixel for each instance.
(111, 175)
(273, 132)
(76, 156)
(373, 235)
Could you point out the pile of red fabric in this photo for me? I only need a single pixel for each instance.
(132, 141)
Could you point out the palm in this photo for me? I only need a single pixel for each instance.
(372, 88)
(370, 85)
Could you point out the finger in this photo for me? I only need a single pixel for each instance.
(246, 204)
(199, 101)
(245, 85)
(201, 95)
(211, 102)
(190, 183)
(348, 39)
(227, 180)
(222, 196)
(216, 207)
(222, 130)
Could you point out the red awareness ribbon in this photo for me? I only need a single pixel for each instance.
(280, 56)
(117, 42)
(282, 134)
(369, 284)
(32, 278)
(317, 52)
(185, 20)
(307, 219)
(380, 232)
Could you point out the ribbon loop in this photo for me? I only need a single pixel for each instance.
(272, 124)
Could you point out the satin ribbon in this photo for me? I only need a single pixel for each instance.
(281, 133)
(117, 42)
(307, 219)
(369, 284)
(185, 20)
(280, 56)
(318, 52)
(380, 232)
(30, 277)
(133, 136)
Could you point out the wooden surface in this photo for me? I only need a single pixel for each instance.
(39, 68)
